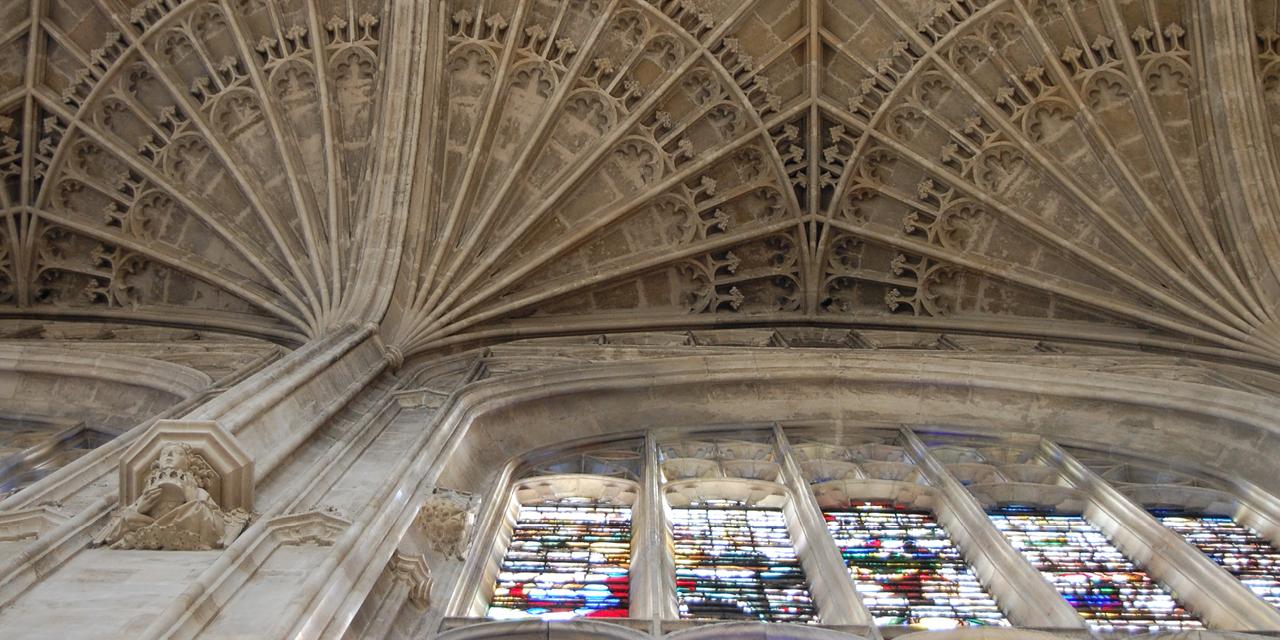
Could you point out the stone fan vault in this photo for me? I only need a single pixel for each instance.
(358, 255)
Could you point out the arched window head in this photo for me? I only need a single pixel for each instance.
(878, 507)
(1206, 511)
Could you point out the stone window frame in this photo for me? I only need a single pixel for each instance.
(1025, 597)
(61, 438)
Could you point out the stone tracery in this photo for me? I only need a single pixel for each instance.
(1022, 182)
(1005, 163)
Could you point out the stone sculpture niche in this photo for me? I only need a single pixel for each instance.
(186, 486)
(174, 512)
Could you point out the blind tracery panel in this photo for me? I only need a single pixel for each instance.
(1091, 574)
(566, 560)
(1239, 549)
(907, 570)
(738, 563)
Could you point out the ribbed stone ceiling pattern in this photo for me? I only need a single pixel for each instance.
(477, 170)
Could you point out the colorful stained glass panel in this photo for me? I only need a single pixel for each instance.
(1240, 550)
(907, 570)
(736, 563)
(1094, 577)
(566, 560)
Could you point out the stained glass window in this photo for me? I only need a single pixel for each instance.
(1103, 586)
(29, 454)
(737, 563)
(1240, 550)
(907, 570)
(566, 560)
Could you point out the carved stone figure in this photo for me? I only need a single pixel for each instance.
(174, 512)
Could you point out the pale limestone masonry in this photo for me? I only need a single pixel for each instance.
(368, 258)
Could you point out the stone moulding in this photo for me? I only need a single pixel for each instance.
(27, 524)
(310, 528)
(220, 449)
(414, 571)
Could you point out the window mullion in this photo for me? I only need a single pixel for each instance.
(1210, 590)
(652, 567)
(484, 556)
(1260, 509)
(836, 598)
(1024, 595)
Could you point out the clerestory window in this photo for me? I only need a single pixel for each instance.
(735, 562)
(1094, 577)
(567, 558)
(1239, 549)
(907, 569)
(854, 528)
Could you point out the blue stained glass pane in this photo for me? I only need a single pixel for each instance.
(738, 564)
(1240, 550)
(906, 569)
(1090, 573)
(566, 561)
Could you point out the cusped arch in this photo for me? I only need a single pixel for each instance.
(1105, 89)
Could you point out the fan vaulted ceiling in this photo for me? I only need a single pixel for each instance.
(474, 170)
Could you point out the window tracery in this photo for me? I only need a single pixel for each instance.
(1206, 512)
(738, 518)
(1243, 552)
(733, 551)
(735, 562)
(907, 569)
(568, 549)
(1039, 512)
(875, 503)
(1103, 586)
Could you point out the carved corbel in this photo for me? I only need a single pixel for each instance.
(412, 569)
(220, 449)
(445, 519)
(318, 528)
(184, 485)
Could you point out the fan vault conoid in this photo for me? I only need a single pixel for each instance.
(367, 252)
(1095, 171)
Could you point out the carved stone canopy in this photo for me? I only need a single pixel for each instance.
(234, 467)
